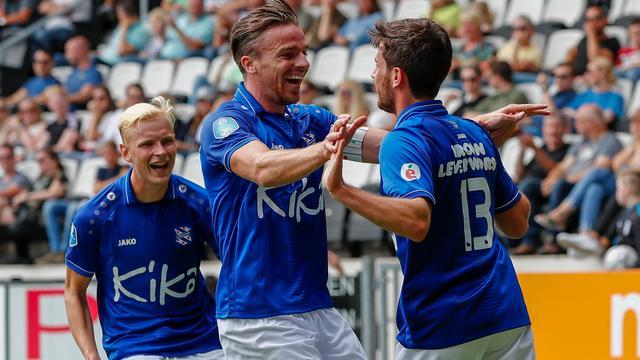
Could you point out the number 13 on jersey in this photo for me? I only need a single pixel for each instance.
(473, 241)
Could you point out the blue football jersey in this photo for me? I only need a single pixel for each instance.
(459, 283)
(272, 241)
(152, 298)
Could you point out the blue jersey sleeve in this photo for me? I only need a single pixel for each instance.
(83, 250)
(406, 168)
(222, 134)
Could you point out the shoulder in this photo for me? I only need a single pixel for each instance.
(96, 210)
(193, 195)
(313, 111)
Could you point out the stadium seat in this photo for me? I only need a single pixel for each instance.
(388, 8)
(567, 12)
(558, 45)
(335, 213)
(496, 40)
(533, 91)
(408, 9)
(330, 66)
(619, 32)
(634, 103)
(625, 138)
(328, 101)
(29, 168)
(61, 73)
(184, 112)
(178, 165)
(372, 100)
(85, 182)
(445, 92)
(350, 9)
(187, 72)
(617, 7)
(510, 153)
(157, 76)
(215, 70)
(103, 70)
(122, 75)
(531, 9)
(632, 7)
(539, 40)
(362, 64)
(625, 88)
(192, 169)
(498, 9)
(70, 168)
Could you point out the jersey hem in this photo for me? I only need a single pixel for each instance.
(419, 193)
(78, 269)
(230, 151)
(237, 315)
(511, 203)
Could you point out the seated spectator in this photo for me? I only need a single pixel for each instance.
(505, 92)
(308, 92)
(624, 253)
(129, 37)
(134, 94)
(628, 63)
(561, 98)
(529, 176)
(101, 124)
(595, 43)
(188, 134)
(473, 48)
(355, 32)
(628, 159)
(51, 184)
(27, 133)
(351, 100)
(14, 14)
(188, 34)
(601, 80)
(583, 178)
(157, 25)
(59, 27)
(34, 87)
(325, 28)
(486, 16)
(447, 14)
(472, 86)
(112, 169)
(12, 183)
(84, 76)
(4, 122)
(524, 57)
(63, 129)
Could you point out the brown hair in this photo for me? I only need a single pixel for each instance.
(420, 47)
(248, 30)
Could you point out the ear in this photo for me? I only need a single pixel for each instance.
(397, 77)
(248, 64)
(125, 153)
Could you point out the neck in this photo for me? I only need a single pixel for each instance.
(256, 91)
(404, 101)
(602, 86)
(84, 63)
(596, 134)
(146, 192)
(504, 87)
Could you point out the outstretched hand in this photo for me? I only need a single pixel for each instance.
(501, 124)
(341, 130)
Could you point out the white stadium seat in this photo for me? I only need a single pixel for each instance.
(362, 64)
(61, 73)
(104, 70)
(617, 6)
(330, 66)
(408, 9)
(122, 75)
(529, 8)
(157, 76)
(178, 164)
(193, 169)
(445, 93)
(496, 40)
(187, 72)
(564, 11)
(533, 91)
(85, 182)
(625, 88)
(619, 32)
(70, 168)
(498, 9)
(559, 44)
(350, 9)
(632, 7)
(215, 70)
(634, 103)
(388, 8)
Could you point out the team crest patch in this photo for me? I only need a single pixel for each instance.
(224, 127)
(73, 237)
(410, 172)
(183, 235)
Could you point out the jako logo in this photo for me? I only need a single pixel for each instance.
(127, 242)
(410, 172)
(620, 305)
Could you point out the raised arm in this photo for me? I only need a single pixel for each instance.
(80, 323)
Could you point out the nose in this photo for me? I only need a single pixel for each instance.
(302, 62)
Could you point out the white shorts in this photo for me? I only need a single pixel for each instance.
(211, 355)
(516, 344)
(320, 334)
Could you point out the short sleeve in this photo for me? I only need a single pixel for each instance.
(223, 134)
(611, 147)
(406, 168)
(617, 105)
(138, 37)
(83, 248)
(94, 77)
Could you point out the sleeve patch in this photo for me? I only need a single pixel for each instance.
(410, 172)
(224, 127)
(73, 237)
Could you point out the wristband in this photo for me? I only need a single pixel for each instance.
(353, 150)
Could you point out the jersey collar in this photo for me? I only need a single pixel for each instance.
(130, 199)
(433, 107)
(247, 100)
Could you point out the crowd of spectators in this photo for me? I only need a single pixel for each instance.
(574, 156)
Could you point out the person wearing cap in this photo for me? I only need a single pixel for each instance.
(188, 133)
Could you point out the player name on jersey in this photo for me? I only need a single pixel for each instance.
(469, 156)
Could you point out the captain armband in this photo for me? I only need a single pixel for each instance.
(353, 150)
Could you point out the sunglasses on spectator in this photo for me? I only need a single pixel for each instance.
(520, 28)
(29, 110)
(562, 76)
(594, 18)
(469, 79)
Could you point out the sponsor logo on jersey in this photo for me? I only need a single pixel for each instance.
(183, 235)
(224, 127)
(127, 242)
(309, 138)
(410, 172)
(73, 237)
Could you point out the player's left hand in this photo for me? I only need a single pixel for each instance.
(332, 176)
(501, 124)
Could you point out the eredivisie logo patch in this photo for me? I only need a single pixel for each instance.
(410, 171)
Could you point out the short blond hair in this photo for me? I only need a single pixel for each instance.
(136, 113)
